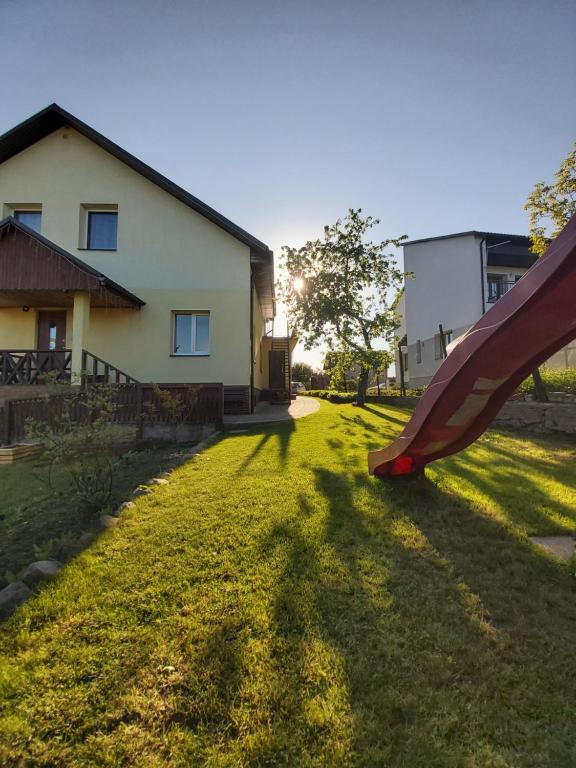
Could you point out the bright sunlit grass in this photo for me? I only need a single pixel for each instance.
(275, 606)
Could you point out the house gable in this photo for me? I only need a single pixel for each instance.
(54, 121)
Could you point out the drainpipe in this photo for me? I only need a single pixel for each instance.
(251, 342)
(482, 243)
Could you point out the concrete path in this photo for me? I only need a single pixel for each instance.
(264, 413)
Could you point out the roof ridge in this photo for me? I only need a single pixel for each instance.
(40, 125)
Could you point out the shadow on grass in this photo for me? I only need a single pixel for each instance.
(517, 485)
(35, 524)
(385, 414)
(282, 432)
(475, 614)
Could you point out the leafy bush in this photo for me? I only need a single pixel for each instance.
(80, 439)
(393, 392)
(554, 381)
(334, 396)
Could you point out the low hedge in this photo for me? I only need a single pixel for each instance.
(554, 381)
(350, 397)
(331, 395)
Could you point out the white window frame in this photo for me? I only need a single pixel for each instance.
(194, 314)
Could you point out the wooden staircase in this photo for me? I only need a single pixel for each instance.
(280, 364)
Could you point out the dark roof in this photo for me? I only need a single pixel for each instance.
(85, 276)
(502, 250)
(54, 117)
(477, 233)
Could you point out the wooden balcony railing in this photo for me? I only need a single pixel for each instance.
(31, 366)
(98, 371)
(28, 366)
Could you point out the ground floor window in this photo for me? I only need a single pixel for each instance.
(191, 333)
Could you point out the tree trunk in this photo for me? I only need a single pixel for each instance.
(362, 386)
(540, 393)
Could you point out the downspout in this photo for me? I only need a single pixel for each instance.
(251, 342)
(482, 243)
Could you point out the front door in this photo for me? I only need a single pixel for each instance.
(51, 340)
(51, 331)
(277, 365)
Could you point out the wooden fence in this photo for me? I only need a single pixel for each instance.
(136, 404)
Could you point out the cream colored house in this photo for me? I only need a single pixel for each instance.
(106, 265)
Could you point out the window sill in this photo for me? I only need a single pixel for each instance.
(190, 354)
(110, 250)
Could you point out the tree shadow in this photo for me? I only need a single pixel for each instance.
(514, 483)
(254, 453)
(282, 432)
(385, 415)
(475, 614)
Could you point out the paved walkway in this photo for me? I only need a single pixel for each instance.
(264, 413)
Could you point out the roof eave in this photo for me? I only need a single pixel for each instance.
(473, 232)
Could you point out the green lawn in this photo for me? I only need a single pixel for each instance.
(34, 524)
(275, 606)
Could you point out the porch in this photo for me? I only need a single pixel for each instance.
(28, 367)
(46, 295)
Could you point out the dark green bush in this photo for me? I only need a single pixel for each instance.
(554, 381)
(332, 395)
(350, 397)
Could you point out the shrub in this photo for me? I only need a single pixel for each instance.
(554, 381)
(81, 439)
(333, 396)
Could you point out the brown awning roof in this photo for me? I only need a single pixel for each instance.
(36, 272)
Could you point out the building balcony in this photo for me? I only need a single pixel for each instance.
(497, 289)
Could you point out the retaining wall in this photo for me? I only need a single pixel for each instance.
(539, 417)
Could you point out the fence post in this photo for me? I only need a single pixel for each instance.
(3, 429)
(139, 414)
(220, 423)
(6, 431)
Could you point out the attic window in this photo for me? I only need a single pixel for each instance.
(98, 227)
(102, 230)
(31, 219)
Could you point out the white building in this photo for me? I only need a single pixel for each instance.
(452, 280)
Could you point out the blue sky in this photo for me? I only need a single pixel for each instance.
(436, 116)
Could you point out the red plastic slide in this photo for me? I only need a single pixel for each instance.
(536, 318)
